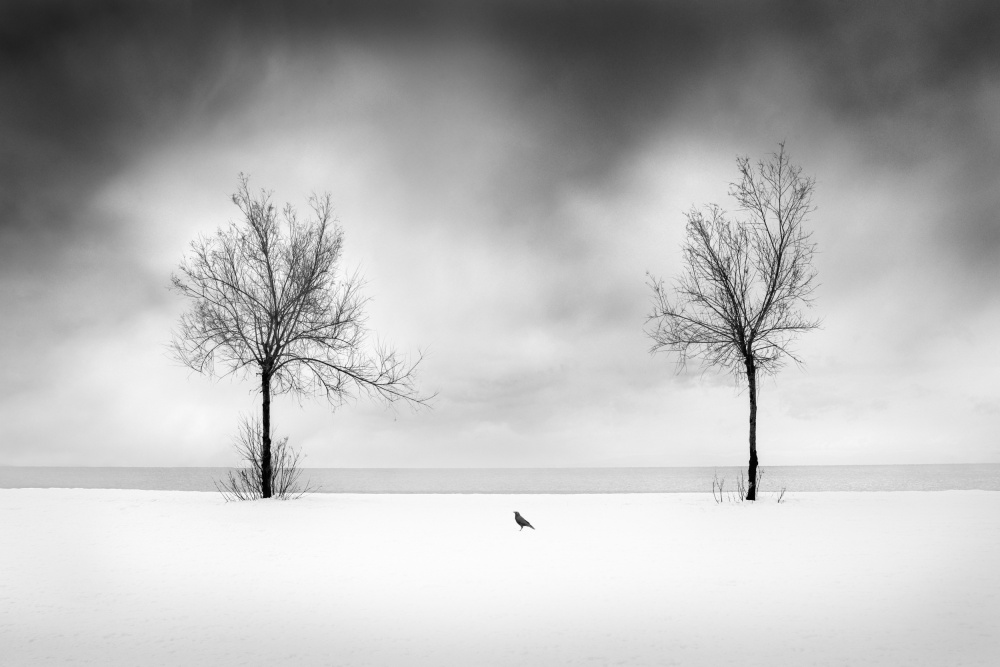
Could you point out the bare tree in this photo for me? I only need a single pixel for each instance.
(268, 301)
(738, 305)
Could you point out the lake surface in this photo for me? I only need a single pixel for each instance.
(984, 476)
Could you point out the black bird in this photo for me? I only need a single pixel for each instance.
(521, 521)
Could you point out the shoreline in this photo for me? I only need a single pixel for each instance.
(531, 480)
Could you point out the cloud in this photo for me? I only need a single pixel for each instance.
(506, 173)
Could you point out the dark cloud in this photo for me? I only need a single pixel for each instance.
(884, 58)
(89, 84)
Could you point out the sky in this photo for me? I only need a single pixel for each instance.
(506, 173)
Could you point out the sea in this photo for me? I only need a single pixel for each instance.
(923, 477)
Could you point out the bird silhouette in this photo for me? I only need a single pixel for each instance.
(521, 521)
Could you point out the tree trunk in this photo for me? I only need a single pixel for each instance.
(752, 482)
(265, 451)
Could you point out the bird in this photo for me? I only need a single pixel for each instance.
(521, 521)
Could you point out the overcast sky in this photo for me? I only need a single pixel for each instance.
(506, 173)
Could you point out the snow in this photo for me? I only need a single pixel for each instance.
(113, 577)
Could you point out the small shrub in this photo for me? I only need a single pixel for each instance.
(718, 484)
(738, 495)
(245, 483)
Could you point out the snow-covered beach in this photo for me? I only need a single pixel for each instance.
(116, 577)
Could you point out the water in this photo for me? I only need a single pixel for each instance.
(531, 480)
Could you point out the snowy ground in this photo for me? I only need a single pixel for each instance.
(181, 578)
